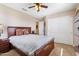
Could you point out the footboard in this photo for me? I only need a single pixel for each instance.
(45, 50)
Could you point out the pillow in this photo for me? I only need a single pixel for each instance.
(19, 32)
(25, 31)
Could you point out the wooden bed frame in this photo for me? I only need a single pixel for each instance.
(12, 30)
(42, 51)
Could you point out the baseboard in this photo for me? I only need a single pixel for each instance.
(64, 43)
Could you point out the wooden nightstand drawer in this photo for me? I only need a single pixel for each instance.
(4, 46)
(5, 43)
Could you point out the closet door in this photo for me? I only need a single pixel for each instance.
(76, 33)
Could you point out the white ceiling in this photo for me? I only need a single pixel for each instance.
(52, 8)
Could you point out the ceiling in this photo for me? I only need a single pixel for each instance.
(52, 8)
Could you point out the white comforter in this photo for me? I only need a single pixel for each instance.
(29, 43)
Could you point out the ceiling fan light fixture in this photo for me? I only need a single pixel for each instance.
(37, 8)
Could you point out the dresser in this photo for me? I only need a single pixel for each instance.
(4, 45)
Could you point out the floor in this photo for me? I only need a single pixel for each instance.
(67, 50)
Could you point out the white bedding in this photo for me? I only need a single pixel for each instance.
(29, 43)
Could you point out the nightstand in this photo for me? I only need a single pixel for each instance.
(4, 45)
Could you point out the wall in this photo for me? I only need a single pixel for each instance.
(11, 17)
(60, 26)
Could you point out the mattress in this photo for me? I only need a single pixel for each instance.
(29, 43)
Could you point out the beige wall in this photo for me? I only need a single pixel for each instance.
(11, 17)
(60, 26)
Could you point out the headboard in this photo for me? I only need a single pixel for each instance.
(13, 30)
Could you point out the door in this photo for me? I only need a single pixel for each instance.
(41, 28)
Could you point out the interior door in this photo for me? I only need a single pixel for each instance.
(41, 28)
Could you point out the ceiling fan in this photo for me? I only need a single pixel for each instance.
(38, 6)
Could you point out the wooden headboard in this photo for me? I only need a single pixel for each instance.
(12, 30)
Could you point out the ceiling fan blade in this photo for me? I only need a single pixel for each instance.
(31, 6)
(44, 6)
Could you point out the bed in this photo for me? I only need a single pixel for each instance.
(30, 44)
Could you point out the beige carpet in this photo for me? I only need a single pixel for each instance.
(68, 50)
